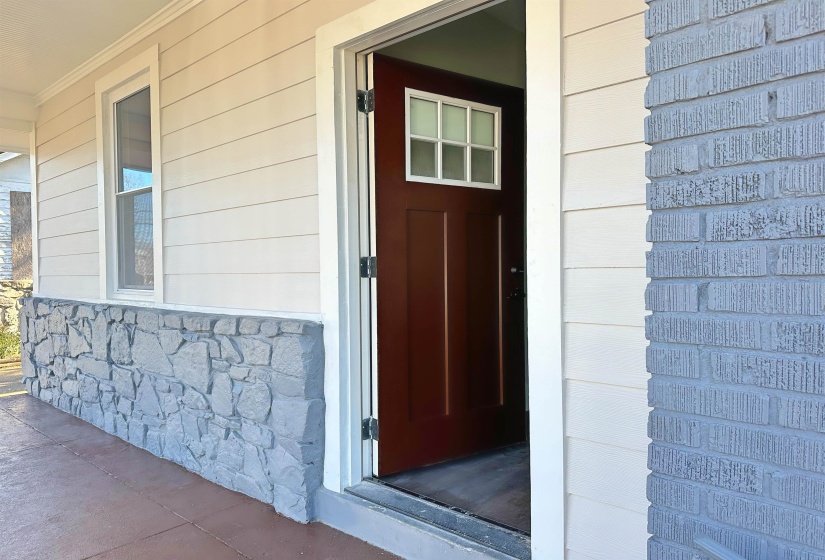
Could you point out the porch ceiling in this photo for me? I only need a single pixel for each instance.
(43, 40)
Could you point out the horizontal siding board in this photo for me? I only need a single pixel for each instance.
(605, 237)
(166, 37)
(70, 265)
(72, 117)
(229, 27)
(579, 15)
(607, 414)
(604, 56)
(298, 293)
(291, 67)
(606, 354)
(297, 216)
(68, 140)
(293, 28)
(605, 532)
(70, 286)
(607, 474)
(605, 296)
(286, 143)
(269, 256)
(72, 244)
(76, 201)
(292, 179)
(605, 177)
(79, 179)
(605, 117)
(73, 159)
(68, 224)
(291, 104)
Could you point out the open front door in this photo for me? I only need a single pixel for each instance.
(449, 215)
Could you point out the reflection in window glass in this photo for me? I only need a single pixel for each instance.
(133, 128)
(136, 241)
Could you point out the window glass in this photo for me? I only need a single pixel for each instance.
(453, 162)
(454, 123)
(133, 141)
(483, 128)
(424, 118)
(482, 170)
(422, 158)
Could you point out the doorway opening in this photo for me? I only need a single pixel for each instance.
(448, 302)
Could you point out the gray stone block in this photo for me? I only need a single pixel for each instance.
(255, 351)
(802, 413)
(226, 326)
(97, 368)
(657, 550)
(255, 402)
(798, 337)
(674, 227)
(100, 337)
(298, 420)
(249, 326)
(77, 343)
(198, 323)
(148, 354)
(222, 400)
(677, 430)
(720, 8)
(120, 345)
(170, 340)
(192, 366)
(805, 491)
(801, 179)
(776, 222)
(706, 191)
(713, 263)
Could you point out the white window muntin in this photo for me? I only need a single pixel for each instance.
(441, 100)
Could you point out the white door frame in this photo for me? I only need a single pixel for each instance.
(346, 386)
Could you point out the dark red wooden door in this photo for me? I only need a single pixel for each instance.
(450, 341)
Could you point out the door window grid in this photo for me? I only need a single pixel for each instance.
(452, 141)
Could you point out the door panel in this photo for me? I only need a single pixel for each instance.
(450, 342)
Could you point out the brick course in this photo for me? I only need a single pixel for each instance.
(737, 268)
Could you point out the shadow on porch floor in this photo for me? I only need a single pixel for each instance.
(71, 491)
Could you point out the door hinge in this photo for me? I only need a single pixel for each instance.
(368, 267)
(369, 428)
(366, 101)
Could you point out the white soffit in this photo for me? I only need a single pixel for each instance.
(43, 41)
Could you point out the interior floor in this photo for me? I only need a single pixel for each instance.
(494, 485)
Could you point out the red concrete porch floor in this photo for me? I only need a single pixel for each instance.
(71, 491)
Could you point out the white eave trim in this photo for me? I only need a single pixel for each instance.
(162, 17)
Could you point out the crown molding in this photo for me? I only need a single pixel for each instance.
(162, 17)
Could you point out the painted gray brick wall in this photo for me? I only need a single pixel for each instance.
(737, 270)
(238, 400)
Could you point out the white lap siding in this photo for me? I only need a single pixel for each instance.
(603, 200)
(239, 171)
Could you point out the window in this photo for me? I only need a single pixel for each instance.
(129, 181)
(452, 141)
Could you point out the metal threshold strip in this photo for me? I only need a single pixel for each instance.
(501, 539)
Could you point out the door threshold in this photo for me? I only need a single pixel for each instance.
(508, 541)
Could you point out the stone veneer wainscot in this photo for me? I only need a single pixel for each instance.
(237, 400)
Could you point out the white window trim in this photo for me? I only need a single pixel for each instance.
(136, 74)
(464, 103)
